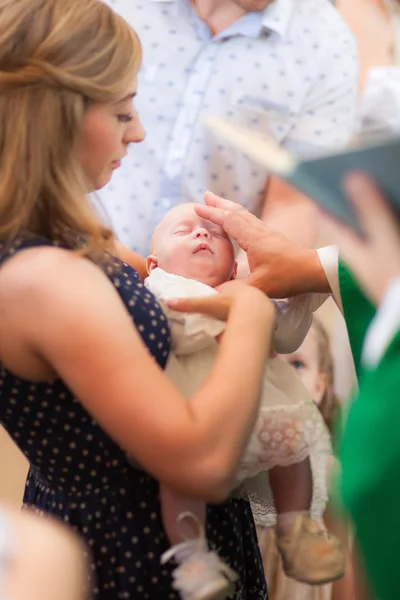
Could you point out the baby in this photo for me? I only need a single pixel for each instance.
(190, 257)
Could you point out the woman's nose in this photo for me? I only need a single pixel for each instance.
(135, 133)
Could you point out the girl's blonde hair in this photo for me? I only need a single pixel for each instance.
(56, 57)
(330, 403)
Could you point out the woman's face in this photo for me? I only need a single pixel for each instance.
(305, 361)
(107, 131)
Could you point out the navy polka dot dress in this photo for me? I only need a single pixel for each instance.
(78, 474)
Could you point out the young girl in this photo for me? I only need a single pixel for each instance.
(314, 364)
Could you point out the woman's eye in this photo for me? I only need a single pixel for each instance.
(124, 118)
(297, 364)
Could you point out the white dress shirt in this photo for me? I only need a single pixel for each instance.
(289, 70)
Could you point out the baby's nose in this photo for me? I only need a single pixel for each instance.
(202, 233)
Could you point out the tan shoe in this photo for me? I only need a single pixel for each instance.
(309, 554)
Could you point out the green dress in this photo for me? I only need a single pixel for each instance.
(370, 449)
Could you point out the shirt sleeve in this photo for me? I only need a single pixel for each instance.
(329, 258)
(294, 315)
(384, 326)
(293, 320)
(328, 116)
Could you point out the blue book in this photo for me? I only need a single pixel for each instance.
(320, 178)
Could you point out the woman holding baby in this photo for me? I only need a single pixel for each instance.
(83, 345)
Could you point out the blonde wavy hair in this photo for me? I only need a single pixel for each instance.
(56, 57)
(330, 405)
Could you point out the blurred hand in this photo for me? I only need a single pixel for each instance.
(278, 266)
(375, 261)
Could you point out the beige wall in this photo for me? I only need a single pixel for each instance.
(13, 468)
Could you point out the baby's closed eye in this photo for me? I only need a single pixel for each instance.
(183, 230)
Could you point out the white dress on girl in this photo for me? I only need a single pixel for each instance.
(289, 426)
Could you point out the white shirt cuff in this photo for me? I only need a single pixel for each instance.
(384, 326)
(329, 257)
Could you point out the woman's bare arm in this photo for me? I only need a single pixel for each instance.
(80, 328)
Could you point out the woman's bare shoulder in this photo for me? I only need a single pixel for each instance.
(42, 269)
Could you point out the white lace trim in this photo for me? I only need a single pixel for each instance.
(313, 441)
(284, 435)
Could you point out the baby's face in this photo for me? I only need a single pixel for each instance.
(186, 245)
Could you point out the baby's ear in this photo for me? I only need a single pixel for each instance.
(151, 263)
(234, 272)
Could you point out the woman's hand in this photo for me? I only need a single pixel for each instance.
(375, 260)
(278, 266)
(219, 306)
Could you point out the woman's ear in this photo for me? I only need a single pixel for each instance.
(234, 272)
(151, 263)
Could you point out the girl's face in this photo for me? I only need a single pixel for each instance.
(107, 131)
(305, 361)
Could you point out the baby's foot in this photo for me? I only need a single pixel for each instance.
(201, 574)
(309, 554)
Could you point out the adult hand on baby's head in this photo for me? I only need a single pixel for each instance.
(219, 306)
(375, 261)
(278, 266)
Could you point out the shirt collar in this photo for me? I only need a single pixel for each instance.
(276, 17)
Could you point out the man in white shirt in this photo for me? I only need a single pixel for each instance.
(287, 68)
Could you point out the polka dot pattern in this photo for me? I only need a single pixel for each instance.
(78, 474)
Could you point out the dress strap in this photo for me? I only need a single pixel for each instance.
(8, 251)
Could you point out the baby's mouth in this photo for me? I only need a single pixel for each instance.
(203, 248)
